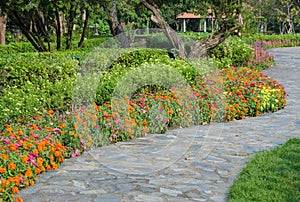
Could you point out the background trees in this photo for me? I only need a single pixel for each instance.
(277, 16)
(45, 21)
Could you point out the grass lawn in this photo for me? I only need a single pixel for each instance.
(270, 176)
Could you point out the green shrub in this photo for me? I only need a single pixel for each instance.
(272, 37)
(30, 82)
(233, 51)
(134, 60)
(16, 47)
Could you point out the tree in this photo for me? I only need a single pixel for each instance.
(37, 19)
(110, 7)
(3, 17)
(227, 14)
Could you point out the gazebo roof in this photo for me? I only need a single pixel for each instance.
(188, 16)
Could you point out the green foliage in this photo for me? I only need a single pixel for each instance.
(159, 40)
(16, 47)
(123, 65)
(233, 51)
(103, 28)
(33, 81)
(272, 37)
(272, 175)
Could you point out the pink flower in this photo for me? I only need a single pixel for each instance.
(5, 141)
(56, 130)
(117, 121)
(76, 153)
(36, 136)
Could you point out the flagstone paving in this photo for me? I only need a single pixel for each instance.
(198, 163)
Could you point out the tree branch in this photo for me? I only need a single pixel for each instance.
(171, 34)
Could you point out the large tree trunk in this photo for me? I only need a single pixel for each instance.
(116, 28)
(72, 14)
(200, 49)
(58, 28)
(171, 34)
(2, 28)
(86, 20)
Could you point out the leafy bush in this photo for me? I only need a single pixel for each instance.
(16, 47)
(272, 37)
(232, 51)
(33, 81)
(134, 60)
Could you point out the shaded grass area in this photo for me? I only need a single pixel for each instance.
(270, 176)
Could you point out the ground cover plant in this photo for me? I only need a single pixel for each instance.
(66, 132)
(260, 179)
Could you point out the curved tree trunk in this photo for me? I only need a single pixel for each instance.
(200, 49)
(116, 28)
(170, 33)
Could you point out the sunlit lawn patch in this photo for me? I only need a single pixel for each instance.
(270, 176)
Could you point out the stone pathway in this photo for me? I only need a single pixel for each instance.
(191, 164)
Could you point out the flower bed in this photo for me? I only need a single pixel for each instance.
(27, 149)
(42, 143)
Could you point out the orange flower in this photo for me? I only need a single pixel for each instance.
(89, 138)
(4, 156)
(41, 146)
(12, 147)
(9, 128)
(16, 180)
(145, 129)
(62, 125)
(54, 165)
(15, 190)
(35, 151)
(27, 146)
(78, 119)
(12, 166)
(31, 182)
(85, 124)
(24, 159)
(2, 170)
(28, 173)
(57, 153)
(48, 128)
(19, 199)
(76, 126)
(40, 162)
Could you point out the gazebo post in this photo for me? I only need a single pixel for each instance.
(200, 25)
(184, 25)
(204, 29)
